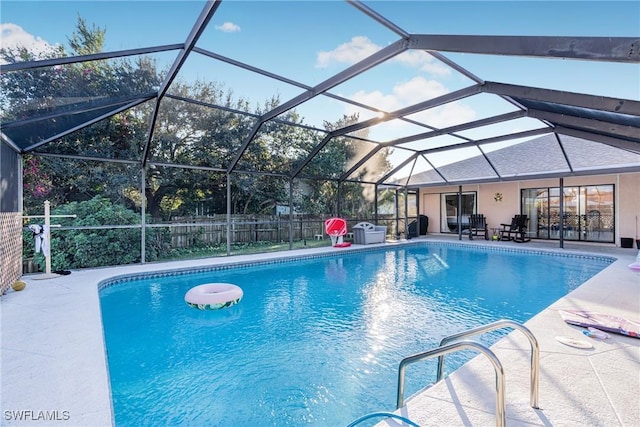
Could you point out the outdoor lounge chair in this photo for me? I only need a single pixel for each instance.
(517, 230)
(508, 229)
(365, 233)
(478, 224)
(521, 235)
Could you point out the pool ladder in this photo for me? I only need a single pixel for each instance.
(454, 343)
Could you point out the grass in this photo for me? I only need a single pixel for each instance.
(239, 249)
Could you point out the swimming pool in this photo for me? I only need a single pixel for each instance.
(315, 341)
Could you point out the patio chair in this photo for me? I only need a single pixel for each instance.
(365, 233)
(508, 230)
(521, 235)
(517, 230)
(478, 224)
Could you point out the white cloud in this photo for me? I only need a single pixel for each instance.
(13, 36)
(403, 94)
(356, 50)
(423, 61)
(411, 92)
(228, 27)
(361, 47)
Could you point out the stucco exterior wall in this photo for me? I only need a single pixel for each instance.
(627, 201)
(629, 206)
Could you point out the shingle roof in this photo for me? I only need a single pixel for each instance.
(548, 155)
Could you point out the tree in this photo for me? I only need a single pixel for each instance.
(207, 132)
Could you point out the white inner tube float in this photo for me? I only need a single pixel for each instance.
(213, 296)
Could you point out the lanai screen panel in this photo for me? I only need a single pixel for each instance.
(293, 39)
(230, 85)
(405, 80)
(538, 155)
(119, 20)
(173, 193)
(278, 147)
(65, 180)
(585, 154)
(48, 101)
(502, 128)
(462, 164)
(314, 200)
(417, 172)
(197, 135)
(118, 137)
(391, 130)
(377, 166)
(324, 109)
(268, 68)
(470, 109)
(336, 158)
(257, 196)
(432, 142)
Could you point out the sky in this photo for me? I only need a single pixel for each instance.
(310, 41)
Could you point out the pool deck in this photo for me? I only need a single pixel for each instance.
(54, 370)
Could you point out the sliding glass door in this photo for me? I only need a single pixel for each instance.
(587, 214)
(450, 221)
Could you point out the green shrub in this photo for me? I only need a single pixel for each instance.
(96, 247)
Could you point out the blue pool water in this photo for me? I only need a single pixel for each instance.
(313, 342)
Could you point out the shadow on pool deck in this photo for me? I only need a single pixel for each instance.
(54, 371)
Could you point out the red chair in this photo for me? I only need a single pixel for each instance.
(336, 228)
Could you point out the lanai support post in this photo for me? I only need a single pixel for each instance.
(290, 214)
(375, 203)
(143, 215)
(339, 204)
(228, 213)
(561, 225)
(406, 213)
(459, 212)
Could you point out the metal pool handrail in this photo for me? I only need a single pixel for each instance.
(503, 323)
(451, 348)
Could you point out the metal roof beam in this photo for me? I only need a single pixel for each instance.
(622, 144)
(613, 105)
(501, 138)
(564, 152)
(198, 28)
(378, 18)
(29, 65)
(10, 142)
(89, 158)
(597, 126)
(84, 125)
(609, 49)
(464, 126)
(111, 103)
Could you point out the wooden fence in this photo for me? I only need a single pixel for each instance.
(212, 230)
